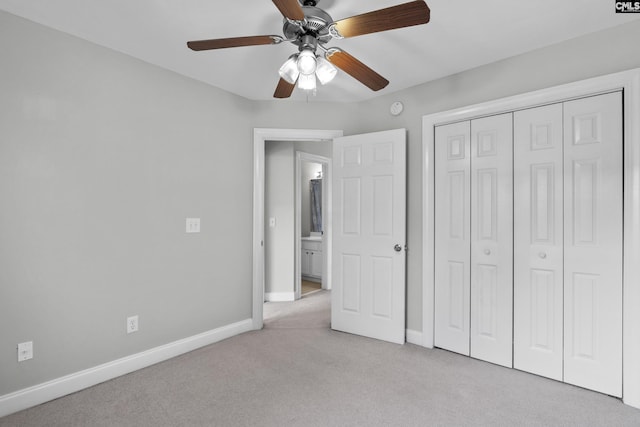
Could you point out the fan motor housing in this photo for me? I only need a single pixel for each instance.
(316, 24)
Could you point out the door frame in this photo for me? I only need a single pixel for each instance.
(629, 82)
(260, 137)
(301, 156)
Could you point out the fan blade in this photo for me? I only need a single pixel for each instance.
(290, 9)
(284, 89)
(233, 42)
(400, 16)
(356, 69)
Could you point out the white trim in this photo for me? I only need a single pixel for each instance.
(326, 218)
(414, 337)
(35, 395)
(279, 296)
(629, 81)
(260, 137)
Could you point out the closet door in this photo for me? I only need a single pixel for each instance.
(492, 239)
(538, 241)
(593, 243)
(452, 237)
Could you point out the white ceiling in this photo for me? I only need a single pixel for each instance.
(460, 36)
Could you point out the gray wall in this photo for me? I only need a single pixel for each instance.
(103, 156)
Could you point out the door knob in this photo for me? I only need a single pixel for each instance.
(487, 252)
(542, 255)
(397, 248)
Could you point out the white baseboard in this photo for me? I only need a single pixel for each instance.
(41, 393)
(279, 296)
(414, 337)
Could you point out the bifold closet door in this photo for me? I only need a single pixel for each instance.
(492, 239)
(538, 241)
(452, 237)
(593, 243)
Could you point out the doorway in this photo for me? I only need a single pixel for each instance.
(261, 138)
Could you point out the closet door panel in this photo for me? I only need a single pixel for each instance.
(452, 238)
(593, 243)
(538, 241)
(492, 239)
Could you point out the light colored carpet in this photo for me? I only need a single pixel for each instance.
(311, 311)
(297, 372)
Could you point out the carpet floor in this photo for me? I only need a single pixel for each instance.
(298, 372)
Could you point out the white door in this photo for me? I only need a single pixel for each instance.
(538, 241)
(369, 235)
(492, 239)
(593, 243)
(452, 236)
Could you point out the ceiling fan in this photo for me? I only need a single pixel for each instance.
(310, 28)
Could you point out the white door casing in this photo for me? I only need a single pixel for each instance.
(593, 243)
(538, 241)
(453, 239)
(492, 239)
(369, 223)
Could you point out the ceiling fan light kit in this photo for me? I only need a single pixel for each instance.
(289, 70)
(307, 62)
(325, 71)
(310, 28)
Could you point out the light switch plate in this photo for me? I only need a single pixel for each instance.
(25, 351)
(193, 225)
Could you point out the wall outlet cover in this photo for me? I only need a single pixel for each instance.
(132, 324)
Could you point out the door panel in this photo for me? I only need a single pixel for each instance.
(452, 237)
(368, 296)
(538, 241)
(593, 243)
(492, 239)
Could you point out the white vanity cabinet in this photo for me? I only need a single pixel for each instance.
(311, 258)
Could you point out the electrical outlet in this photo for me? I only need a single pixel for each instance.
(25, 351)
(132, 324)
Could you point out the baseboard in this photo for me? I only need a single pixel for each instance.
(41, 393)
(414, 337)
(279, 296)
